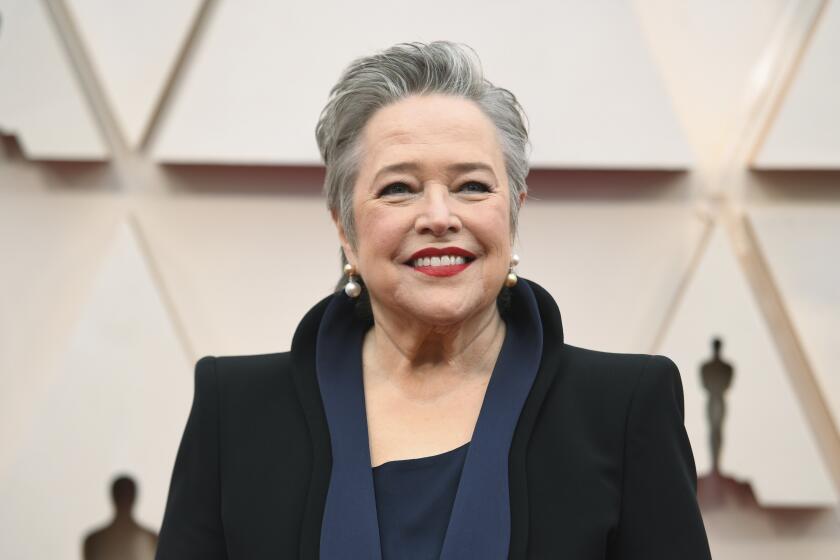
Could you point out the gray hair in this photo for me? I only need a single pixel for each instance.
(406, 69)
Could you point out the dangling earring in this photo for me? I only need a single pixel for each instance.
(351, 288)
(511, 279)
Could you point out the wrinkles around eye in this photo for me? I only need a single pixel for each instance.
(475, 187)
(397, 188)
(400, 188)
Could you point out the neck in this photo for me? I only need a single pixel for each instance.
(426, 360)
(122, 516)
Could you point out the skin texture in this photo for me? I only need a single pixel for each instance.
(435, 340)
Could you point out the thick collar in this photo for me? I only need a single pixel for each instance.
(497, 525)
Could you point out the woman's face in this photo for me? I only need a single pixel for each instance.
(431, 189)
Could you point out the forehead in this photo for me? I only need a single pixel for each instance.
(430, 129)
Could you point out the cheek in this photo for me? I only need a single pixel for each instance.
(493, 229)
(379, 234)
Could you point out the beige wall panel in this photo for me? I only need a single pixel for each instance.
(262, 71)
(51, 249)
(804, 134)
(613, 269)
(767, 440)
(802, 248)
(133, 47)
(118, 404)
(242, 272)
(712, 58)
(40, 99)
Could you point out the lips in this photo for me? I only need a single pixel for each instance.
(439, 252)
(446, 261)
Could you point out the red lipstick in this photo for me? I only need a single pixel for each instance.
(435, 252)
(441, 270)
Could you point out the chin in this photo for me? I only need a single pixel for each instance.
(439, 317)
(443, 309)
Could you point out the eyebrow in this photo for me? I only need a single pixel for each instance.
(464, 167)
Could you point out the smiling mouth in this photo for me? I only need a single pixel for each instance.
(443, 260)
(443, 265)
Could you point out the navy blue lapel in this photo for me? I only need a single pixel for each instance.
(350, 528)
(480, 523)
(479, 526)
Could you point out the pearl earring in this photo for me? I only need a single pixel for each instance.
(511, 279)
(351, 288)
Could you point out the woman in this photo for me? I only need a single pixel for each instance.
(431, 408)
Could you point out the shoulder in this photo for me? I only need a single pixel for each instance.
(611, 381)
(254, 403)
(253, 368)
(597, 368)
(246, 380)
(594, 403)
(244, 368)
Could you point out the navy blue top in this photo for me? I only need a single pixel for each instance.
(414, 499)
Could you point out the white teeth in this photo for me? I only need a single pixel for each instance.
(445, 260)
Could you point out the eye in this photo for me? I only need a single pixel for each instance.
(395, 189)
(471, 187)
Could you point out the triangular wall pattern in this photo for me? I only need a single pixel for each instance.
(613, 270)
(118, 405)
(44, 285)
(41, 101)
(802, 248)
(133, 64)
(767, 439)
(804, 134)
(689, 40)
(262, 73)
(242, 273)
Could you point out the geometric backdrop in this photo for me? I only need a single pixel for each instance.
(685, 185)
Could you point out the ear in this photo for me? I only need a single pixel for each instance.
(349, 254)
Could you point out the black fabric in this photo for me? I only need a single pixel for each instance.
(414, 498)
(600, 465)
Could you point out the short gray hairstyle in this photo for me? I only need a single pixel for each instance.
(372, 82)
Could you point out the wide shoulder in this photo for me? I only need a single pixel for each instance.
(247, 376)
(593, 393)
(603, 371)
(253, 365)
(581, 355)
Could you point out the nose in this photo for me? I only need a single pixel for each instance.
(436, 214)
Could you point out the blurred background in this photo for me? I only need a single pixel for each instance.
(160, 201)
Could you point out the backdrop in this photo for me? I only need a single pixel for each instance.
(160, 201)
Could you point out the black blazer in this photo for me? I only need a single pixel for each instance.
(600, 466)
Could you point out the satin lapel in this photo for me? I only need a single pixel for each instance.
(306, 383)
(350, 527)
(552, 327)
(480, 523)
